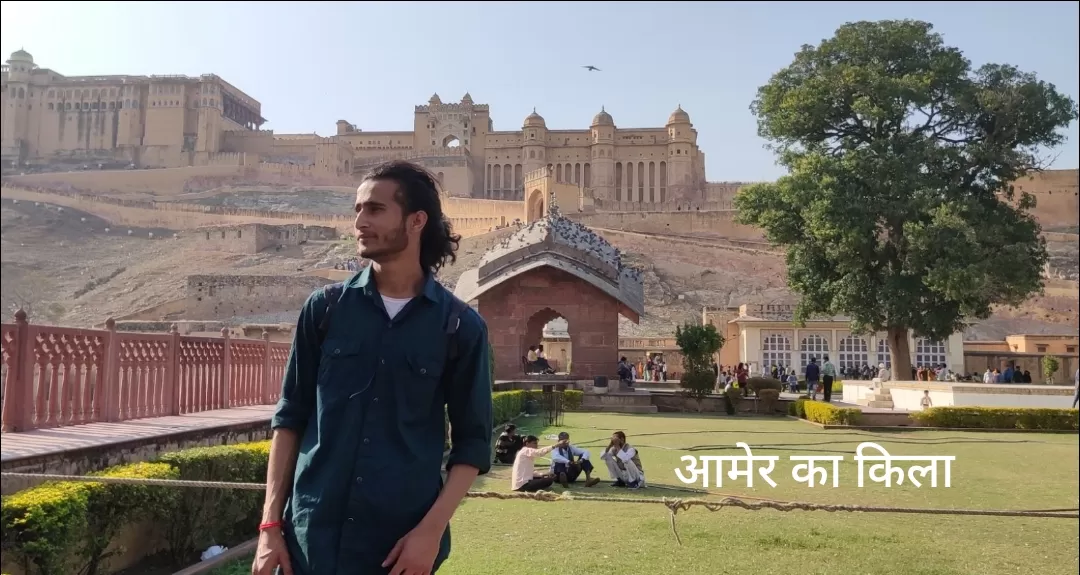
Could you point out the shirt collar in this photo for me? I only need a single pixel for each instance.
(364, 280)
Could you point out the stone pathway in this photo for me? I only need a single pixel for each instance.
(39, 442)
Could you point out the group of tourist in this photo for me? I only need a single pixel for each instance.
(536, 362)
(653, 368)
(568, 462)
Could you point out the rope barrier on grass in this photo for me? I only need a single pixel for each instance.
(673, 504)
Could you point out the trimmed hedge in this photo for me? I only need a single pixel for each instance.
(829, 414)
(61, 528)
(1000, 418)
(509, 404)
(797, 408)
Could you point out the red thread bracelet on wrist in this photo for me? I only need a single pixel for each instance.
(270, 525)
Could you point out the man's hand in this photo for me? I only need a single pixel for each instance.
(414, 554)
(270, 554)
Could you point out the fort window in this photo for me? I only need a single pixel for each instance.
(239, 234)
(207, 235)
(67, 106)
(50, 105)
(222, 235)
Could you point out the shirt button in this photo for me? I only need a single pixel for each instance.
(359, 480)
(350, 520)
(382, 361)
(376, 400)
(337, 351)
(366, 441)
(422, 371)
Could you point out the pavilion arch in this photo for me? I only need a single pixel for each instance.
(535, 208)
(534, 335)
(451, 141)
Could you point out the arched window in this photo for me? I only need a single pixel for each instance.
(929, 353)
(813, 346)
(884, 353)
(854, 352)
(775, 350)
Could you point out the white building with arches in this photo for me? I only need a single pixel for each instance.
(764, 335)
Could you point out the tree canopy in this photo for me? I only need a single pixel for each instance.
(898, 209)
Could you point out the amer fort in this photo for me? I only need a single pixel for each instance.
(181, 238)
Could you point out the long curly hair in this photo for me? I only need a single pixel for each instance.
(418, 191)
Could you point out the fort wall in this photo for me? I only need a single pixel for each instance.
(254, 238)
(225, 296)
(716, 223)
(469, 216)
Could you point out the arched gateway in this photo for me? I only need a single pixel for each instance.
(554, 267)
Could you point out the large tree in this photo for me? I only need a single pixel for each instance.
(897, 210)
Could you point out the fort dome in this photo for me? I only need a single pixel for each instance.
(21, 55)
(435, 100)
(534, 120)
(603, 118)
(679, 116)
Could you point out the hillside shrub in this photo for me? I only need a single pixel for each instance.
(1000, 418)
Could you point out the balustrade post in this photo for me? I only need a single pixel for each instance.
(226, 367)
(111, 408)
(173, 383)
(20, 380)
(267, 379)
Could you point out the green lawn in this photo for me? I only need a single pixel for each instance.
(991, 471)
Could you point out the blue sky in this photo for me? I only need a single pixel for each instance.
(313, 63)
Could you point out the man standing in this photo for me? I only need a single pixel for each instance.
(813, 377)
(354, 485)
(828, 373)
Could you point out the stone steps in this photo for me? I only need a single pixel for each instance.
(881, 399)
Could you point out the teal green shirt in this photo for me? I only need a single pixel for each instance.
(368, 405)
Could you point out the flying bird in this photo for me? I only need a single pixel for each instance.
(591, 68)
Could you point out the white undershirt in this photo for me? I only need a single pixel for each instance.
(393, 305)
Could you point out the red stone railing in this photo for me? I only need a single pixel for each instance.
(59, 376)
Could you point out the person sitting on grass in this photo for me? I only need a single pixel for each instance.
(508, 444)
(524, 476)
(623, 463)
(566, 469)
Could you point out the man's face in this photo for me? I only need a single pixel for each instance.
(382, 228)
(532, 444)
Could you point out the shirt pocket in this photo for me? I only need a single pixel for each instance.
(343, 371)
(419, 394)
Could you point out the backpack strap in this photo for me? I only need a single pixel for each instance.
(453, 322)
(332, 295)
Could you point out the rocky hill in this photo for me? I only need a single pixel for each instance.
(77, 269)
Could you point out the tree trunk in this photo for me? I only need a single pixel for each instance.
(899, 354)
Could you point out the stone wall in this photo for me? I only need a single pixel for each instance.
(224, 296)
(254, 238)
(716, 223)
